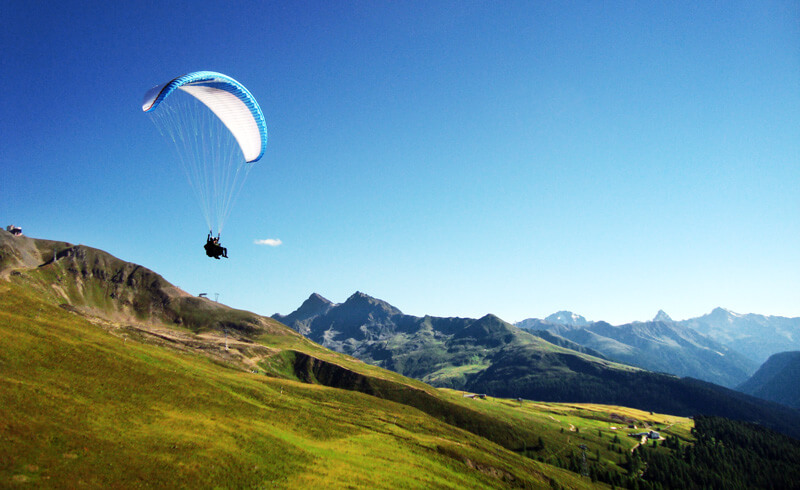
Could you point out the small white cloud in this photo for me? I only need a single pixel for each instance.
(270, 242)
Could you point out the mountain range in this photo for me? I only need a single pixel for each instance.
(659, 345)
(442, 351)
(488, 355)
(751, 335)
(755, 336)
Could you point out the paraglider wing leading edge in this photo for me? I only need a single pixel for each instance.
(230, 101)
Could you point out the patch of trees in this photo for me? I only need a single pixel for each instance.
(727, 454)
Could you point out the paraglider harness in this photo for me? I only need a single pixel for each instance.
(213, 248)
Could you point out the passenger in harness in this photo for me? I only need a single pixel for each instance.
(213, 248)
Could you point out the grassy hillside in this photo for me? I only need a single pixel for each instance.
(85, 405)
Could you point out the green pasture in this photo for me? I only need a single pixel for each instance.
(81, 406)
(548, 432)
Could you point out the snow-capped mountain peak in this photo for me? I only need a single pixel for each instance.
(567, 318)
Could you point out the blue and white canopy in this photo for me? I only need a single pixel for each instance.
(230, 101)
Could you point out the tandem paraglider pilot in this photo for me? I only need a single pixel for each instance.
(214, 249)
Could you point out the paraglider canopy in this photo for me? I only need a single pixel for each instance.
(232, 103)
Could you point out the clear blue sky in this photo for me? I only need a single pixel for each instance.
(451, 158)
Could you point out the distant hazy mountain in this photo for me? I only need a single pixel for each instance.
(661, 345)
(777, 380)
(755, 336)
(567, 318)
(662, 316)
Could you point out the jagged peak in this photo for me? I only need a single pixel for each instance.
(725, 313)
(315, 305)
(358, 295)
(662, 316)
(317, 300)
(361, 299)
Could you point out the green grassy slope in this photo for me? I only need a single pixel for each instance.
(81, 405)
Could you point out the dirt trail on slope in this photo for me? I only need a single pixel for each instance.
(232, 349)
